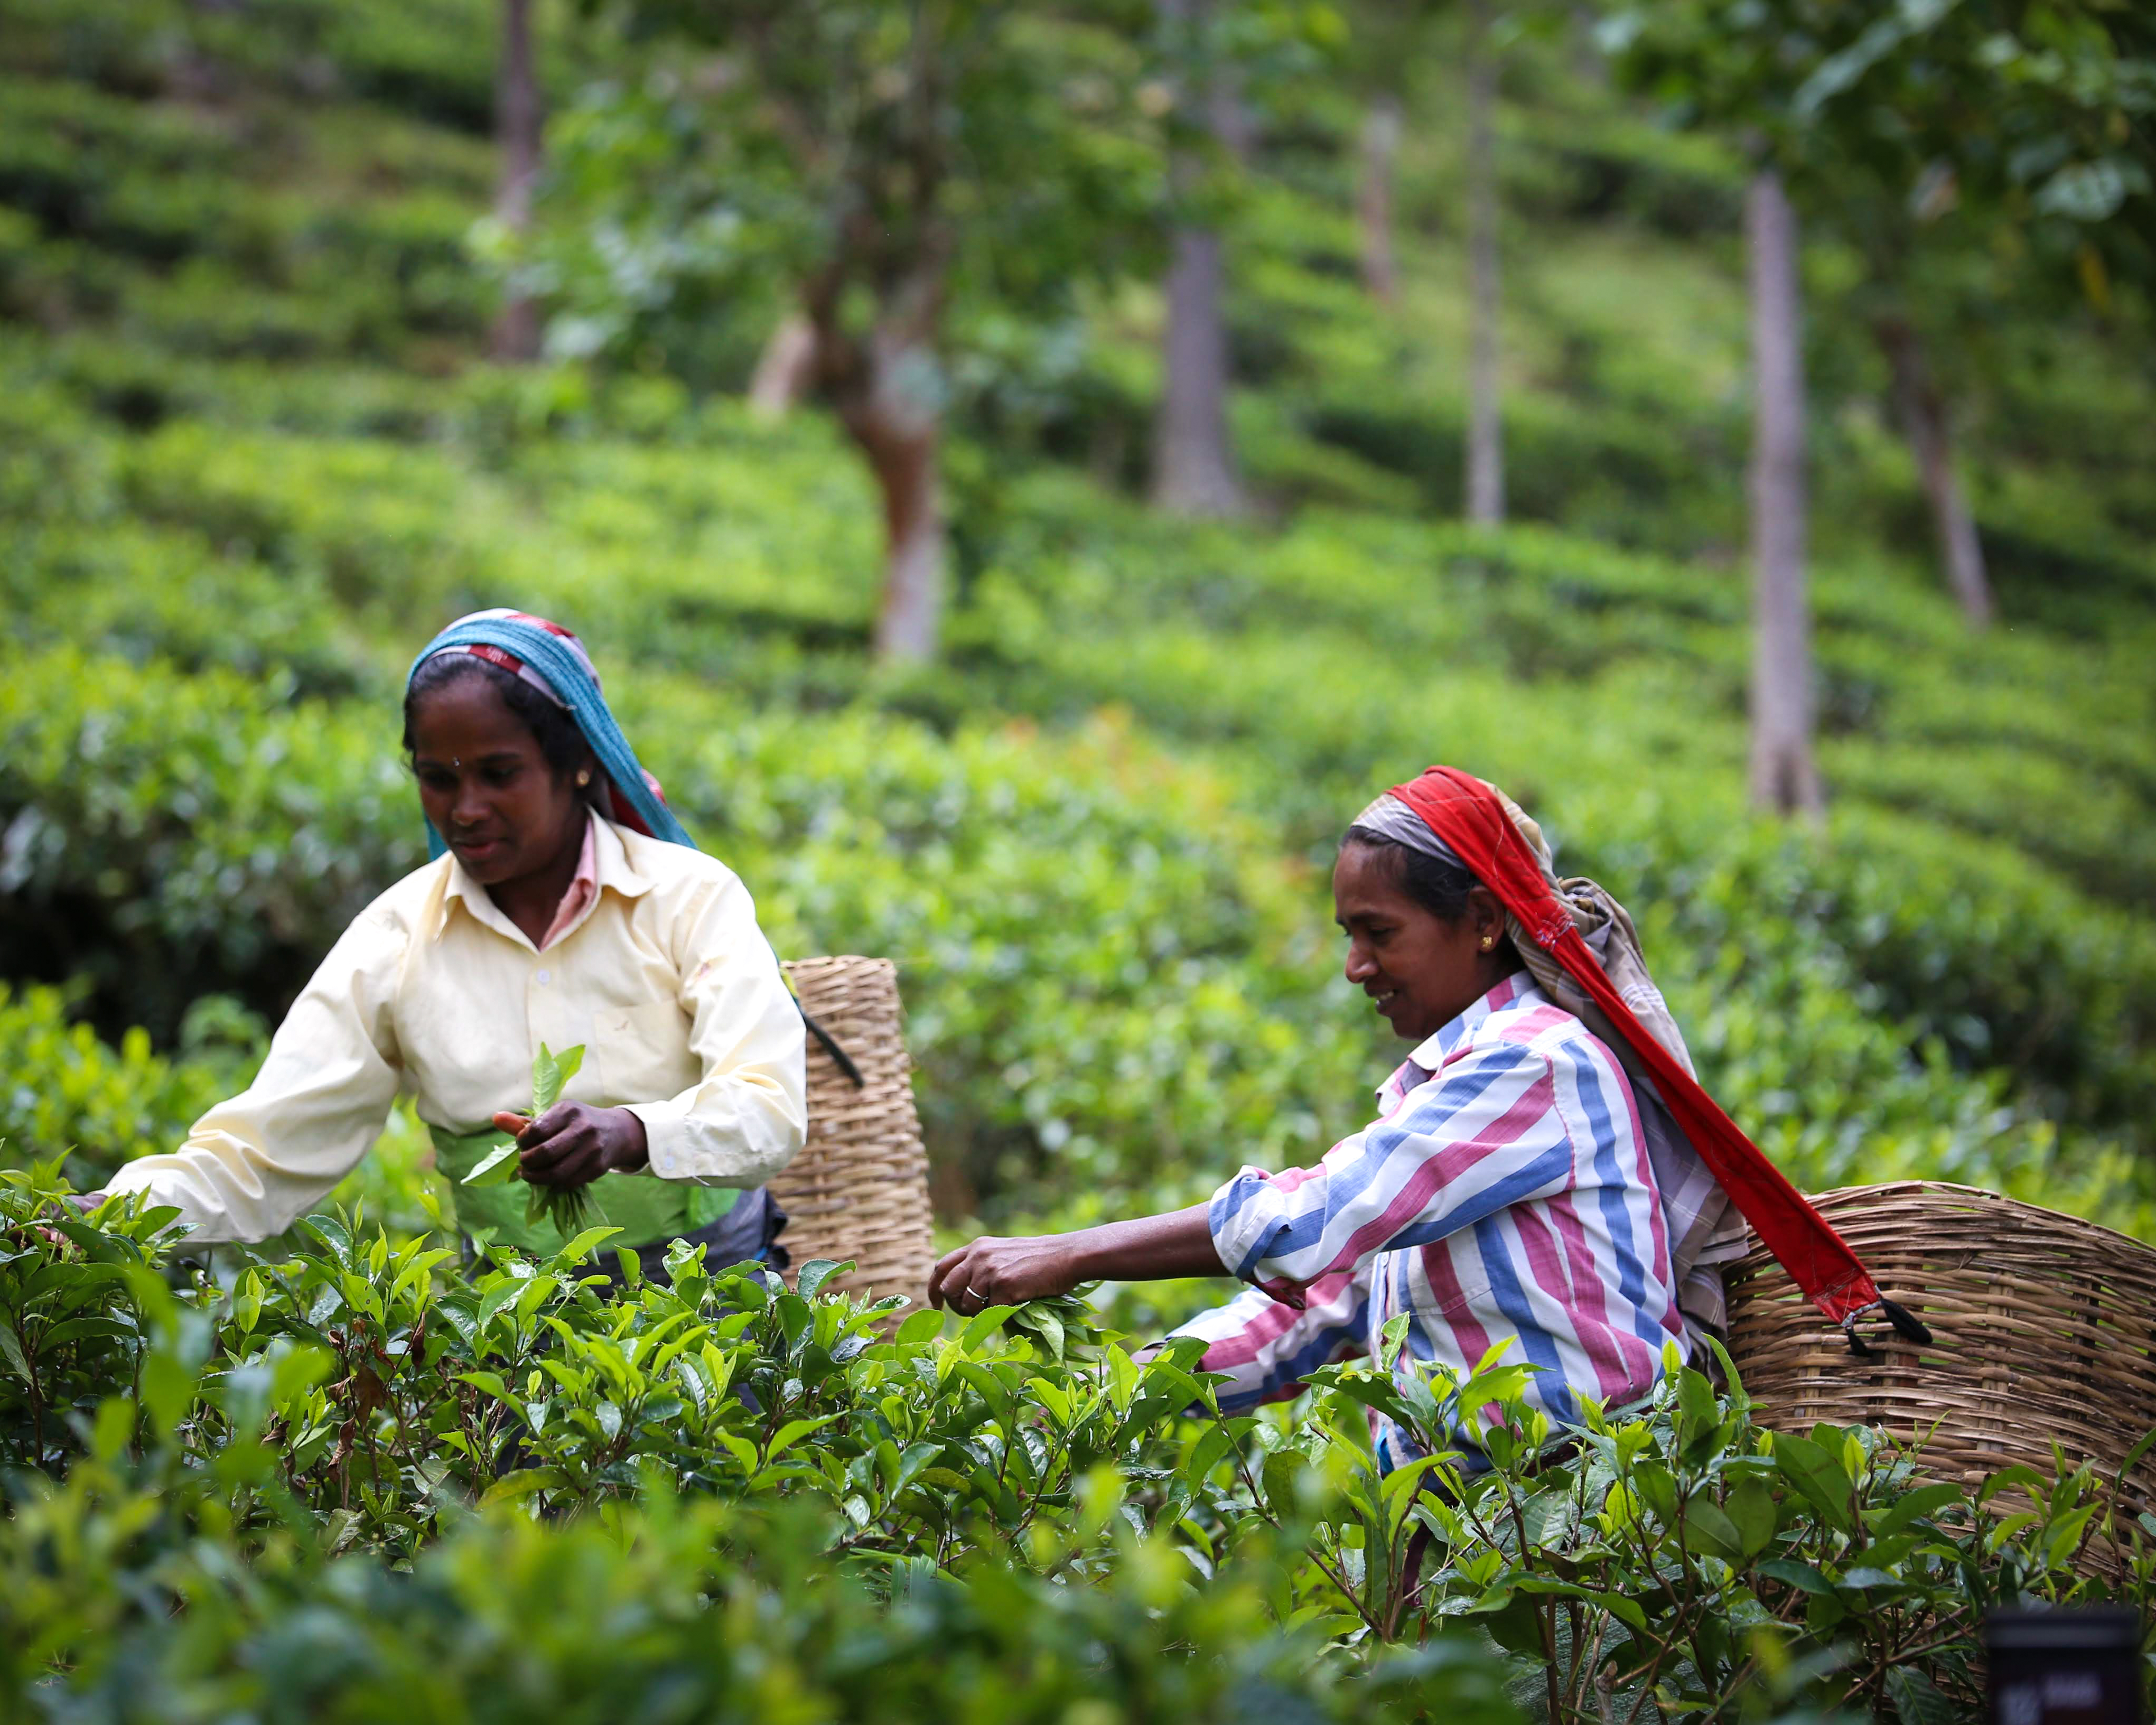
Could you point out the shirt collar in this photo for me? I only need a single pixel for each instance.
(1516, 989)
(613, 870)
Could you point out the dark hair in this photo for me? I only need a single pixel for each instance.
(1439, 887)
(560, 738)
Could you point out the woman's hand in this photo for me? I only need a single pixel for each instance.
(81, 1203)
(573, 1143)
(1006, 1272)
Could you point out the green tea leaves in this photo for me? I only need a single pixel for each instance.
(550, 1074)
(497, 1168)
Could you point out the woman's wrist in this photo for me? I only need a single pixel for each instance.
(1092, 1254)
(1147, 1249)
(631, 1153)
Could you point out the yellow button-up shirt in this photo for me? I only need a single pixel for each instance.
(665, 978)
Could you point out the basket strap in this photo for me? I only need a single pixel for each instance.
(839, 1057)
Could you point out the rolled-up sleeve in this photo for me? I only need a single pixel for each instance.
(1486, 1135)
(1265, 1349)
(747, 1116)
(254, 1164)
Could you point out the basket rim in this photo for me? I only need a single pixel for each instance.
(1985, 1194)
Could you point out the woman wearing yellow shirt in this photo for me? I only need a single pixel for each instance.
(565, 905)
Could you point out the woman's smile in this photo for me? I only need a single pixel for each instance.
(1419, 969)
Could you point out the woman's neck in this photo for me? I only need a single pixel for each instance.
(532, 901)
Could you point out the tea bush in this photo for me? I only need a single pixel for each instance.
(72, 1092)
(1675, 1557)
(705, 1611)
(338, 1477)
(1115, 998)
(166, 835)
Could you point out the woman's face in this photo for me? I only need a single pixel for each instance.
(1421, 970)
(489, 792)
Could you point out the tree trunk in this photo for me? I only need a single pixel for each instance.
(1924, 416)
(519, 118)
(1589, 65)
(911, 619)
(1485, 431)
(1783, 777)
(1193, 469)
(888, 392)
(1381, 148)
(786, 368)
(1193, 472)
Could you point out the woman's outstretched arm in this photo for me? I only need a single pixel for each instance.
(257, 1161)
(1002, 1272)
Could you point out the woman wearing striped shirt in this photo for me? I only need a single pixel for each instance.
(1508, 1189)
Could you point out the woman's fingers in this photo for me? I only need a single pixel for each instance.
(944, 1282)
(564, 1147)
(578, 1166)
(962, 1280)
(538, 1131)
(1001, 1272)
(572, 1143)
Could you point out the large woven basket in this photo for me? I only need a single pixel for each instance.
(2043, 1327)
(858, 1189)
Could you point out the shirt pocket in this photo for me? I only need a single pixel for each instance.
(642, 1053)
(1465, 1292)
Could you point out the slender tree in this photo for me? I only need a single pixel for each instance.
(1387, 41)
(1193, 458)
(1922, 411)
(2032, 101)
(1373, 204)
(1486, 430)
(519, 120)
(1783, 776)
(884, 376)
(785, 369)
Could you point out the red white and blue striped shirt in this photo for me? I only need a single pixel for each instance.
(1504, 1190)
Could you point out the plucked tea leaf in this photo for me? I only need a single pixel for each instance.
(546, 1081)
(498, 1168)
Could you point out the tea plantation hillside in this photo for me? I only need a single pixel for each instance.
(254, 458)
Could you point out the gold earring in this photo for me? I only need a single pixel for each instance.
(584, 776)
(1488, 942)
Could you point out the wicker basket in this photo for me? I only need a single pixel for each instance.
(858, 1189)
(2043, 1326)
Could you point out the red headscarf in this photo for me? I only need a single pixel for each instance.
(1469, 817)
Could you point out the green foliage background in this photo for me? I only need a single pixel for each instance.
(254, 458)
(250, 456)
